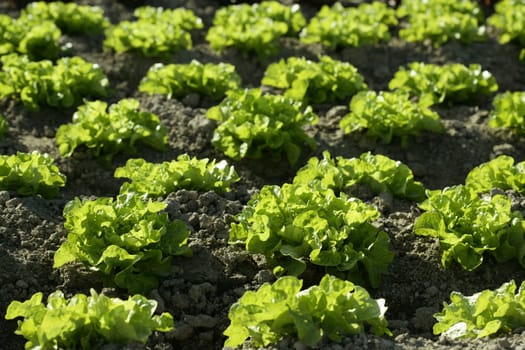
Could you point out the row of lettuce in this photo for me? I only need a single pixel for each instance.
(252, 123)
(312, 223)
(256, 28)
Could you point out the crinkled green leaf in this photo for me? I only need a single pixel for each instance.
(339, 26)
(105, 133)
(158, 180)
(509, 20)
(178, 80)
(254, 28)
(468, 226)
(453, 83)
(31, 174)
(296, 226)
(386, 115)
(333, 308)
(127, 239)
(253, 125)
(314, 82)
(509, 111)
(487, 313)
(86, 321)
(157, 32)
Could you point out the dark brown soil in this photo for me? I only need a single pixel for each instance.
(201, 289)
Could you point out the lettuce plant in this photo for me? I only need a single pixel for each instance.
(468, 226)
(500, 172)
(509, 20)
(30, 174)
(106, 133)
(86, 321)
(252, 124)
(157, 32)
(453, 83)
(254, 28)
(178, 80)
(43, 83)
(378, 172)
(296, 226)
(386, 115)
(484, 314)
(36, 39)
(440, 21)
(338, 26)
(128, 239)
(333, 308)
(157, 180)
(314, 82)
(69, 17)
(509, 111)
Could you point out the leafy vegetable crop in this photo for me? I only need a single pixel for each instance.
(379, 172)
(37, 39)
(43, 83)
(338, 26)
(69, 17)
(468, 225)
(454, 83)
(178, 80)
(254, 28)
(314, 82)
(106, 133)
(509, 20)
(487, 313)
(295, 225)
(333, 308)
(509, 111)
(386, 115)
(158, 180)
(85, 322)
(157, 32)
(127, 239)
(441, 21)
(30, 174)
(500, 172)
(252, 124)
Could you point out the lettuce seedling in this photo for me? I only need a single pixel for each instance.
(468, 226)
(338, 26)
(69, 17)
(484, 314)
(378, 172)
(252, 124)
(37, 39)
(452, 83)
(106, 133)
(31, 174)
(296, 226)
(440, 21)
(61, 85)
(509, 112)
(314, 82)
(333, 308)
(500, 172)
(509, 20)
(179, 80)
(254, 28)
(386, 115)
(157, 32)
(158, 180)
(128, 239)
(86, 322)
